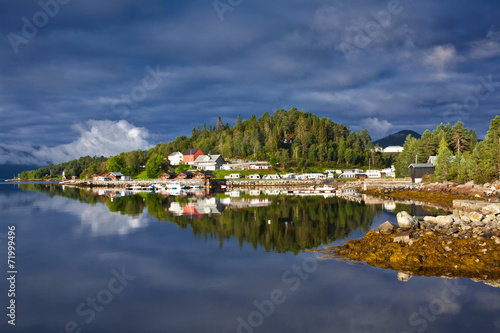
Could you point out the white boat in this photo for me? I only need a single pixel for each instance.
(325, 188)
(177, 186)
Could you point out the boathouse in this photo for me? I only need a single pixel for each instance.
(168, 175)
(419, 170)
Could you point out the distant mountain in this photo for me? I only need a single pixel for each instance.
(396, 139)
(9, 171)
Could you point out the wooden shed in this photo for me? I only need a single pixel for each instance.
(419, 170)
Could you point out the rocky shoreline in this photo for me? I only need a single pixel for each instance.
(463, 244)
(441, 193)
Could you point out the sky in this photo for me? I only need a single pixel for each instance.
(101, 77)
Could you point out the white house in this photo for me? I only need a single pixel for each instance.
(432, 160)
(226, 167)
(373, 173)
(254, 176)
(209, 162)
(312, 176)
(273, 176)
(289, 176)
(393, 149)
(175, 158)
(338, 172)
(233, 176)
(389, 172)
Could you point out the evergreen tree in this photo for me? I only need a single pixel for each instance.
(444, 161)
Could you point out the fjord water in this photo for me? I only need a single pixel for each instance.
(146, 263)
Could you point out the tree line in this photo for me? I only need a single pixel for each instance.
(289, 139)
(460, 156)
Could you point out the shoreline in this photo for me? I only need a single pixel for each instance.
(463, 244)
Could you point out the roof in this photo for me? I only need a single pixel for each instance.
(207, 158)
(175, 153)
(421, 165)
(191, 151)
(206, 173)
(118, 174)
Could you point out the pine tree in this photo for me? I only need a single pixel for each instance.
(443, 161)
(460, 139)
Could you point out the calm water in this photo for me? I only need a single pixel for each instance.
(146, 263)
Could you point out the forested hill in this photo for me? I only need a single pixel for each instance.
(291, 138)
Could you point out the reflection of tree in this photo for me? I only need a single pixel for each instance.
(296, 223)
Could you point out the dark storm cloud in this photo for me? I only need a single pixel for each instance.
(380, 65)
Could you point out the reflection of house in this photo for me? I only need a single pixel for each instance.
(185, 175)
(191, 154)
(254, 193)
(419, 170)
(209, 162)
(191, 211)
(168, 175)
(204, 175)
(176, 158)
(176, 209)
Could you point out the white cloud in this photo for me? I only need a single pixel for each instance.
(441, 56)
(375, 126)
(488, 47)
(97, 138)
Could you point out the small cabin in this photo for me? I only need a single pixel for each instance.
(419, 170)
(185, 175)
(273, 176)
(204, 175)
(168, 175)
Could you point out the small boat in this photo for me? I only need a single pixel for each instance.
(325, 188)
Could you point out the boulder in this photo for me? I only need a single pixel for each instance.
(492, 209)
(445, 221)
(430, 219)
(387, 228)
(406, 221)
(404, 276)
(402, 237)
(475, 217)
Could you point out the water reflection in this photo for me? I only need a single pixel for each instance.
(276, 223)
